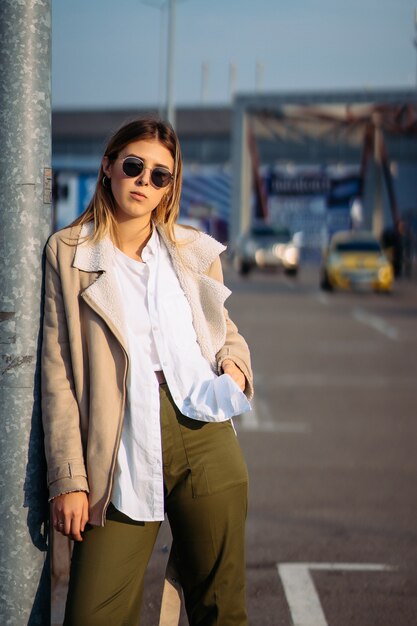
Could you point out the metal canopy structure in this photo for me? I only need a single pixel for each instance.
(333, 123)
(364, 128)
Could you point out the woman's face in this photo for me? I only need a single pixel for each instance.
(137, 197)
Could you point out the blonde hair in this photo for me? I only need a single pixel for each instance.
(101, 209)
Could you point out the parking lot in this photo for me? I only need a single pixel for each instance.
(331, 449)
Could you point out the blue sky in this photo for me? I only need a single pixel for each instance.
(107, 53)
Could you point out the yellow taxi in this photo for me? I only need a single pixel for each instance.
(355, 260)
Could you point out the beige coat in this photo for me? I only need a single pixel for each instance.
(85, 359)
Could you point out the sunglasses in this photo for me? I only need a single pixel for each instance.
(134, 166)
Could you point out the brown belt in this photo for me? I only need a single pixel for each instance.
(160, 377)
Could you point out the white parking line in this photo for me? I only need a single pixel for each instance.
(322, 298)
(296, 428)
(342, 347)
(252, 421)
(303, 600)
(291, 284)
(342, 381)
(377, 323)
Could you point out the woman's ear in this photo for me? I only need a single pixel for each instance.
(106, 166)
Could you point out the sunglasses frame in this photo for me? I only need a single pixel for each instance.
(152, 171)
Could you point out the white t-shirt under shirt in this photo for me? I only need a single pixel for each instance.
(161, 336)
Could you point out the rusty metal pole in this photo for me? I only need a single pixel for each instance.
(378, 208)
(25, 219)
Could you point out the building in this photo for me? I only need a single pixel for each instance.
(305, 158)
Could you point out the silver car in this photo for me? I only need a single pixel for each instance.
(266, 246)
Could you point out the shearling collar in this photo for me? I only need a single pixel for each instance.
(196, 249)
(93, 257)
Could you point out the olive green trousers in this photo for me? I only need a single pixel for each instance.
(205, 479)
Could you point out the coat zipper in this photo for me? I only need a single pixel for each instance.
(116, 447)
(96, 310)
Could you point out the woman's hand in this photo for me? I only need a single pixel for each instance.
(230, 368)
(70, 514)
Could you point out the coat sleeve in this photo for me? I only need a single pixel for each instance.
(60, 413)
(235, 346)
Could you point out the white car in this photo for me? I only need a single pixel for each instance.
(266, 246)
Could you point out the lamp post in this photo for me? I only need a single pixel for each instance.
(259, 76)
(170, 62)
(232, 80)
(170, 55)
(204, 81)
(415, 39)
(161, 7)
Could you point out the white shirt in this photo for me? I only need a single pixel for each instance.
(160, 336)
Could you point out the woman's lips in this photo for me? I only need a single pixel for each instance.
(137, 195)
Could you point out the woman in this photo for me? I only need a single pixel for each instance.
(142, 373)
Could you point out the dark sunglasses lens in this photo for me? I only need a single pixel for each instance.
(132, 167)
(161, 177)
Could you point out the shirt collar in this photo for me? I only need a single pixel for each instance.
(152, 247)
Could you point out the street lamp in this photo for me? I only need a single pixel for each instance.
(170, 62)
(161, 7)
(171, 5)
(415, 39)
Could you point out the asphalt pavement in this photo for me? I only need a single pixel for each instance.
(331, 450)
(331, 447)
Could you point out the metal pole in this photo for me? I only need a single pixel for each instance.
(232, 81)
(259, 76)
(204, 82)
(378, 210)
(25, 217)
(415, 39)
(161, 62)
(170, 63)
(161, 8)
(240, 218)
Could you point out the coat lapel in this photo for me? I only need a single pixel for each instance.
(191, 259)
(103, 294)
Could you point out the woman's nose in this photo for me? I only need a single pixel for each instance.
(144, 176)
